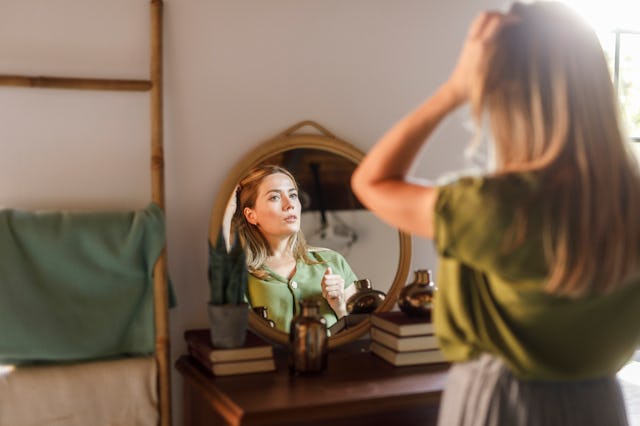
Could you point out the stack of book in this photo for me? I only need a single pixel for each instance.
(402, 340)
(254, 357)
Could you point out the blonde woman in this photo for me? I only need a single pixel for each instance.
(539, 288)
(283, 270)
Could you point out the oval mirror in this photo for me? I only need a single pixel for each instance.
(331, 216)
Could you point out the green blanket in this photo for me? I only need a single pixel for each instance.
(77, 286)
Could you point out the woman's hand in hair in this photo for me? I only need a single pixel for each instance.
(333, 292)
(468, 68)
(382, 181)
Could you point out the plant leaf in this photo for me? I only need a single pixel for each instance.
(238, 275)
(218, 269)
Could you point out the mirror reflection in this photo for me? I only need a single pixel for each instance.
(317, 234)
(301, 228)
(283, 269)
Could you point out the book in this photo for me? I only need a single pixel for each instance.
(233, 367)
(407, 343)
(431, 356)
(254, 347)
(398, 323)
(346, 322)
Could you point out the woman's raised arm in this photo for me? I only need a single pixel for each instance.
(381, 180)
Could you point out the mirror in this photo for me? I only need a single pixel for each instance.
(331, 215)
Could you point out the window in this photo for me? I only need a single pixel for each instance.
(622, 48)
(617, 26)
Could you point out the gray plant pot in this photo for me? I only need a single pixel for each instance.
(228, 325)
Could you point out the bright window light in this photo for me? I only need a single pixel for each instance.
(6, 369)
(608, 15)
(630, 373)
(617, 26)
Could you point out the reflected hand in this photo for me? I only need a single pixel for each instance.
(333, 291)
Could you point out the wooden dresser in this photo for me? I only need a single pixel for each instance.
(358, 388)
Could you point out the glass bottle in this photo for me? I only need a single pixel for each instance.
(416, 298)
(365, 300)
(308, 340)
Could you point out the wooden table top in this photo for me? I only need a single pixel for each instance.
(355, 382)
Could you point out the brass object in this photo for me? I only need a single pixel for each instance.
(308, 340)
(366, 299)
(416, 298)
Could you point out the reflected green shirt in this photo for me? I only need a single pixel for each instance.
(491, 298)
(282, 296)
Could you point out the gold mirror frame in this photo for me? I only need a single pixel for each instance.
(325, 141)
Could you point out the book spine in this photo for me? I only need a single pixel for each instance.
(195, 352)
(244, 367)
(403, 343)
(254, 348)
(203, 348)
(432, 356)
(402, 328)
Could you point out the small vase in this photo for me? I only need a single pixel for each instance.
(365, 300)
(263, 312)
(228, 325)
(308, 340)
(416, 298)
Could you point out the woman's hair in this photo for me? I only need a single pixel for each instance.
(546, 87)
(256, 246)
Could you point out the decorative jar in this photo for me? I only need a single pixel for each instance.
(308, 340)
(365, 300)
(416, 298)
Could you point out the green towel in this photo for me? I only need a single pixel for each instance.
(77, 286)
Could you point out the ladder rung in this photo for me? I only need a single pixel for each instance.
(75, 83)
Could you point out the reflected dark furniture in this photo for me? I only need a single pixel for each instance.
(358, 388)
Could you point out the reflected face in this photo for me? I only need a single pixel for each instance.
(277, 208)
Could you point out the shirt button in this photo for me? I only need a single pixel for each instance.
(294, 284)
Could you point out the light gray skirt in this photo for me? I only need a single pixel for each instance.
(484, 392)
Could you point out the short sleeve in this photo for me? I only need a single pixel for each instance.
(468, 221)
(337, 262)
(348, 274)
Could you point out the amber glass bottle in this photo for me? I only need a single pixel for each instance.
(308, 340)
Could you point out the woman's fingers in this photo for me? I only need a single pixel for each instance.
(466, 70)
(332, 285)
(485, 25)
(333, 291)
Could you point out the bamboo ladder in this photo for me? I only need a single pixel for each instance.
(154, 86)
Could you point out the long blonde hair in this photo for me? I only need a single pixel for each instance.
(547, 91)
(256, 247)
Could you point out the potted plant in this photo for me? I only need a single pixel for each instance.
(228, 309)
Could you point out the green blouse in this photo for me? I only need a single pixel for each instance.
(491, 296)
(282, 296)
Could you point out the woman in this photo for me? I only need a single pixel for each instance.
(539, 288)
(282, 269)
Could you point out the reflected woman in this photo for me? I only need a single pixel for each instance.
(283, 270)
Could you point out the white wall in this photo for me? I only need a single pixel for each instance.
(370, 246)
(237, 73)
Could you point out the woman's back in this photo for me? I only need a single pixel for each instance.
(539, 263)
(493, 296)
